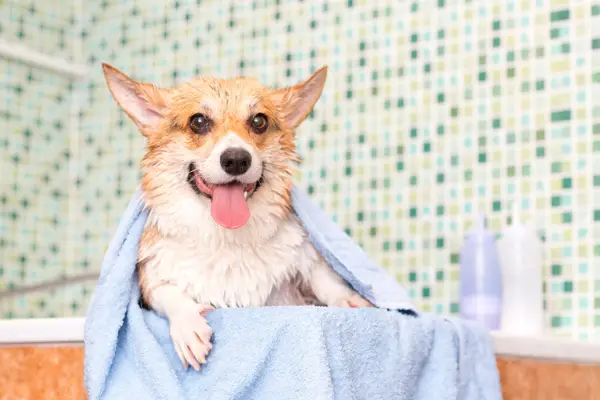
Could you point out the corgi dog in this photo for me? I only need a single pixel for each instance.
(216, 180)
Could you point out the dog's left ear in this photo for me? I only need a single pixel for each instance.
(296, 102)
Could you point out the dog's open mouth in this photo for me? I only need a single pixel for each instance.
(229, 202)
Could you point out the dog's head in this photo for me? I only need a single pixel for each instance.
(229, 144)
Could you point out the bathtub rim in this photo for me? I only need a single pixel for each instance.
(69, 332)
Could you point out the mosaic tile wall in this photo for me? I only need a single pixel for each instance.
(36, 162)
(433, 110)
(46, 26)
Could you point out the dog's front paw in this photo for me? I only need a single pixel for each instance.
(353, 301)
(191, 335)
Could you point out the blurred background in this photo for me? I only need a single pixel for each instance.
(433, 111)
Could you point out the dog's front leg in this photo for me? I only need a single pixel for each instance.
(189, 329)
(330, 289)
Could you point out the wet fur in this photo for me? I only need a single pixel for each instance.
(225, 268)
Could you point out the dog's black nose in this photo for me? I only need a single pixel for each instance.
(236, 161)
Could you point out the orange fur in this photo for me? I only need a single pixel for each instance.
(149, 237)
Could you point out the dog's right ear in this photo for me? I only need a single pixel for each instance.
(144, 103)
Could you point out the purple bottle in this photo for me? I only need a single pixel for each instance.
(480, 278)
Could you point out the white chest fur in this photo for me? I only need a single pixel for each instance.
(227, 273)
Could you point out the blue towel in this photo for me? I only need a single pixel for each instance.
(284, 352)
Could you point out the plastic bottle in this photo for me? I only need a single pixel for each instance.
(521, 254)
(480, 277)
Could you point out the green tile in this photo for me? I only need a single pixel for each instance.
(556, 270)
(564, 115)
(560, 15)
(568, 287)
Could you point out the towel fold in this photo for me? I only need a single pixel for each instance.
(284, 352)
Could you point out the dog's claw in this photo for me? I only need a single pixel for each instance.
(354, 301)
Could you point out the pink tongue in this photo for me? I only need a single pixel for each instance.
(228, 207)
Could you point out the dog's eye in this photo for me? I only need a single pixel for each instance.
(199, 123)
(259, 123)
